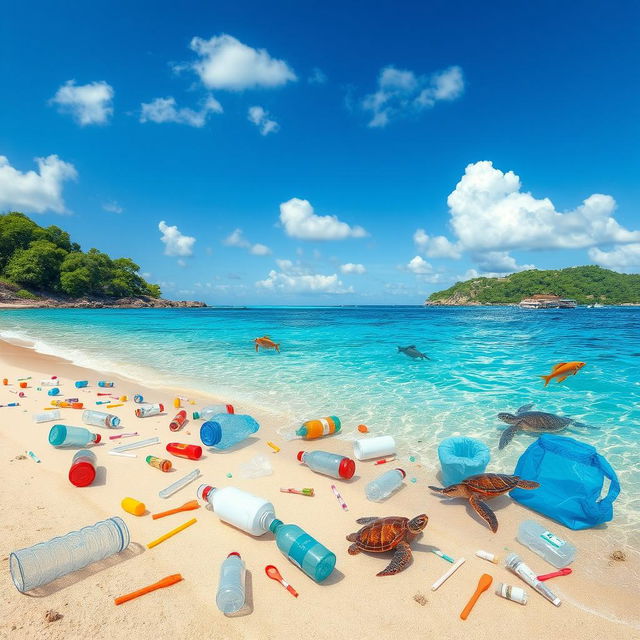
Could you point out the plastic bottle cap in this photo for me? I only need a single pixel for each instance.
(234, 553)
(195, 415)
(275, 523)
(404, 475)
(210, 433)
(203, 491)
(82, 474)
(230, 408)
(98, 438)
(347, 468)
(57, 434)
(299, 456)
(161, 406)
(133, 506)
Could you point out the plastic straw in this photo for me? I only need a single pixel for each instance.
(179, 484)
(339, 498)
(122, 453)
(171, 533)
(165, 582)
(136, 445)
(442, 579)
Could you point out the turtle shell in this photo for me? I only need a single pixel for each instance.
(491, 484)
(382, 535)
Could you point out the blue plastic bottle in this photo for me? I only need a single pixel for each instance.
(227, 429)
(80, 384)
(63, 436)
(53, 392)
(303, 550)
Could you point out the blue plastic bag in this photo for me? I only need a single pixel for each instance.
(461, 457)
(571, 476)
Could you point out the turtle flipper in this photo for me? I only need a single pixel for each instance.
(401, 559)
(526, 407)
(527, 484)
(507, 435)
(354, 549)
(438, 489)
(483, 510)
(367, 520)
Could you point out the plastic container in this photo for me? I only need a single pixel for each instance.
(303, 550)
(46, 416)
(81, 384)
(83, 468)
(106, 384)
(50, 382)
(44, 562)
(225, 430)
(367, 448)
(516, 594)
(461, 457)
(189, 451)
(329, 464)
(54, 392)
(313, 429)
(133, 506)
(63, 436)
(554, 550)
(206, 413)
(257, 467)
(230, 596)
(239, 508)
(384, 485)
(100, 419)
(149, 410)
(178, 422)
(159, 463)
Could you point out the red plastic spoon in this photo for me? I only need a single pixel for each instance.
(563, 572)
(274, 574)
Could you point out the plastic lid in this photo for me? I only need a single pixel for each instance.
(347, 468)
(337, 422)
(404, 475)
(203, 491)
(195, 415)
(234, 553)
(98, 438)
(230, 408)
(299, 456)
(210, 433)
(82, 474)
(57, 434)
(161, 406)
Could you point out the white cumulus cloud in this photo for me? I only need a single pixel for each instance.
(436, 246)
(625, 258)
(238, 239)
(500, 262)
(35, 191)
(175, 243)
(350, 267)
(300, 221)
(402, 93)
(419, 266)
(226, 63)
(88, 103)
(262, 120)
(294, 278)
(162, 110)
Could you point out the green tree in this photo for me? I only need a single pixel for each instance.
(38, 266)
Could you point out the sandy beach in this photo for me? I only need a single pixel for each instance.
(38, 502)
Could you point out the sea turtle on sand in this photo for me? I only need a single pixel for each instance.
(485, 485)
(384, 534)
(412, 352)
(535, 421)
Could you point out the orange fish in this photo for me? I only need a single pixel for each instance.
(266, 343)
(562, 371)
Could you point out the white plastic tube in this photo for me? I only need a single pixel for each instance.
(136, 445)
(366, 448)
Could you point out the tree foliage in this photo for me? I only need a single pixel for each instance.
(45, 259)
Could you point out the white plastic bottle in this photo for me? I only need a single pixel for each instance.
(230, 596)
(554, 550)
(239, 508)
(384, 485)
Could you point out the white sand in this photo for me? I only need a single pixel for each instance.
(38, 502)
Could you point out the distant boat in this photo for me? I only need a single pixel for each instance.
(595, 305)
(567, 303)
(547, 301)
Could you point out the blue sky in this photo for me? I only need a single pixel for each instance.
(368, 154)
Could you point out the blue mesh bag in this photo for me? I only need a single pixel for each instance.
(571, 476)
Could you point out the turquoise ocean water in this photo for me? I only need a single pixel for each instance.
(344, 362)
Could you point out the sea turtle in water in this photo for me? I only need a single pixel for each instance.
(535, 421)
(412, 352)
(485, 485)
(385, 534)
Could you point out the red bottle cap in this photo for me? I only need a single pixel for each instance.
(230, 408)
(347, 468)
(233, 553)
(82, 474)
(299, 456)
(404, 475)
(161, 406)
(98, 438)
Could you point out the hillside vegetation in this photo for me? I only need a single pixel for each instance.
(587, 285)
(45, 260)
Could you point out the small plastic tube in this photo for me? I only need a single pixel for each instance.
(136, 445)
(487, 555)
(179, 484)
(511, 593)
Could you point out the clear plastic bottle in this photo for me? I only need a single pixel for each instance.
(330, 464)
(303, 550)
(239, 508)
(225, 430)
(149, 410)
(230, 596)
(83, 468)
(44, 562)
(206, 413)
(47, 416)
(554, 550)
(63, 436)
(384, 485)
(100, 419)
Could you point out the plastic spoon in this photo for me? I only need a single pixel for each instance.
(274, 574)
(187, 506)
(165, 582)
(563, 572)
(483, 584)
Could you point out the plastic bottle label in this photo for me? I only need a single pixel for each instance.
(554, 541)
(300, 548)
(326, 427)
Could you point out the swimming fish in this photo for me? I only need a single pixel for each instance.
(266, 343)
(534, 421)
(562, 371)
(412, 352)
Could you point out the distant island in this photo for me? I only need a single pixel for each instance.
(42, 267)
(586, 285)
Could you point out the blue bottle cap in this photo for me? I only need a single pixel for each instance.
(210, 433)
(275, 523)
(57, 434)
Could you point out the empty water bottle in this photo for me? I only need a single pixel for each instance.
(47, 416)
(100, 419)
(206, 413)
(230, 596)
(384, 485)
(63, 436)
(303, 550)
(226, 430)
(554, 550)
(106, 384)
(330, 464)
(149, 410)
(44, 562)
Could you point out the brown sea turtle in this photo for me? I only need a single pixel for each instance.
(485, 485)
(384, 534)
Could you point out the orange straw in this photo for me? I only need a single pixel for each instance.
(171, 533)
(165, 582)
(187, 506)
